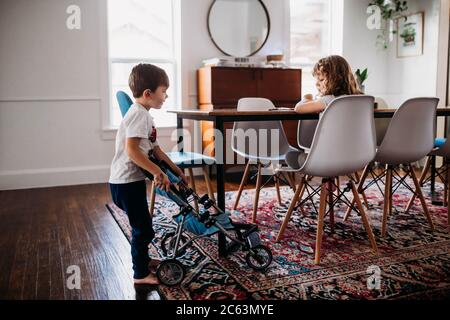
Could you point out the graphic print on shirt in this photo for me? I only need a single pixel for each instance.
(153, 135)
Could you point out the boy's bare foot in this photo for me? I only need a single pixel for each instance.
(151, 279)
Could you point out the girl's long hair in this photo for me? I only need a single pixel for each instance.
(339, 76)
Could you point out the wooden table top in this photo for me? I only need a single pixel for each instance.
(229, 113)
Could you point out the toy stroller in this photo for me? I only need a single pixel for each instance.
(203, 224)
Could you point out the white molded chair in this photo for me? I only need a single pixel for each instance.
(344, 142)
(260, 148)
(409, 138)
(443, 173)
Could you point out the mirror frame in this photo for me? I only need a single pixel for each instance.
(220, 49)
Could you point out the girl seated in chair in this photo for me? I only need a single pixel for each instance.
(334, 78)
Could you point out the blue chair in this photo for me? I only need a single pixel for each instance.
(125, 102)
(185, 160)
(439, 142)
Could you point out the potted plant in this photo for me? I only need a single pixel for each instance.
(361, 76)
(389, 10)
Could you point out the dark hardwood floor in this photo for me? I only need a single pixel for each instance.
(44, 231)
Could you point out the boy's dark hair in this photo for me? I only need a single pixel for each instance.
(146, 76)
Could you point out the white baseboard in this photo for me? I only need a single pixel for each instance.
(52, 177)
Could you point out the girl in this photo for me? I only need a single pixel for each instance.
(334, 78)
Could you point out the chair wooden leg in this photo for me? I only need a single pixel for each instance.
(366, 203)
(192, 178)
(410, 203)
(277, 186)
(330, 205)
(242, 185)
(258, 187)
(426, 167)
(289, 180)
(360, 186)
(208, 183)
(338, 184)
(349, 210)
(387, 198)
(364, 219)
(297, 196)
(363, 178)
(420, 195)
(302, 209)
(353, 203)
(320, 219)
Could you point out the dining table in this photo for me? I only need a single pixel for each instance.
(221, 116)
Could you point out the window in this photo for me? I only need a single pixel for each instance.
(142, 31)
(310, 37)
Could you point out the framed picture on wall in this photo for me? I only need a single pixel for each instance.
(410, 35)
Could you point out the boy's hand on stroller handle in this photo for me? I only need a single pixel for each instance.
(162, 181)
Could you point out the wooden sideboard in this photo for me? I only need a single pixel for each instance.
(222, 87)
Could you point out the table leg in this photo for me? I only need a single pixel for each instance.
(180, 142)
(219, 151)
(434, 199)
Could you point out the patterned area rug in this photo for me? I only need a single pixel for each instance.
(414, 261)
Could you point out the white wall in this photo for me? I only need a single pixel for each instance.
(396, 79)
(416, 76)
(49, 96)
(359, 47)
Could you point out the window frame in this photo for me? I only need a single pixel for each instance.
(108, 129)
(335, 33)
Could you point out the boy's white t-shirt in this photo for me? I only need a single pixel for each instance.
(137, 123)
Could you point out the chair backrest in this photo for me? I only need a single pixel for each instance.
(344, 141)
(381, 124)
(410, 135)
(124, 101)
(254, 138)
(305, 133)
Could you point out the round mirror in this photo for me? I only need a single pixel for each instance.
(238, 28)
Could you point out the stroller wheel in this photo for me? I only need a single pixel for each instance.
(170, 272)
(259, 258)
(168, 243)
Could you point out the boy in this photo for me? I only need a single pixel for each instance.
(136, 137)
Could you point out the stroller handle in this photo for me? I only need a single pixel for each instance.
(183, 188)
